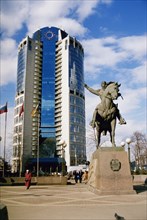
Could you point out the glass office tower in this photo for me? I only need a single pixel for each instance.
(50, 100)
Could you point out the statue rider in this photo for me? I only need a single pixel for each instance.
(99, 92)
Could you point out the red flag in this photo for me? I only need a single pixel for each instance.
(4, 109)
(21, 110)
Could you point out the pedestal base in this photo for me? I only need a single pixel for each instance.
(109, 172)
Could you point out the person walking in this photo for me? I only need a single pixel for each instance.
(28, 177)
(85, 176)
(78, 176)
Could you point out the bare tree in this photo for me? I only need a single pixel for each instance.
(91, 140)
(139, 148)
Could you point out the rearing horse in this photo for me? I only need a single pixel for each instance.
(107, 112)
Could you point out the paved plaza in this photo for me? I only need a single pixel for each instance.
(70, 202)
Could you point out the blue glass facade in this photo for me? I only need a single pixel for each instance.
(48, 37)
(76, 76)
(77, 104)
(21, 68)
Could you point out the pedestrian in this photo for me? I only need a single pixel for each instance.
(75, 173)
(85, 176)
(28, 177)
(78, 176)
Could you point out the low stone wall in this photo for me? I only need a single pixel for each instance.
(15, 180)
(51, 180)
(42, 180)
(139, 179)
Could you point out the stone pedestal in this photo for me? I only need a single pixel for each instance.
(109, 172)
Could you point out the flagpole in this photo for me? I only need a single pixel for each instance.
(5, 142)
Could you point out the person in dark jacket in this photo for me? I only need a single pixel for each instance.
(78, 176)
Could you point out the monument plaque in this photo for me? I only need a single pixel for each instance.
(115, 164)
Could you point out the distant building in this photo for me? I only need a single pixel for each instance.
(50, 100)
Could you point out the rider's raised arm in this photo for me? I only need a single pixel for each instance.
(96, 92)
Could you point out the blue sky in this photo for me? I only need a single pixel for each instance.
(113, 34)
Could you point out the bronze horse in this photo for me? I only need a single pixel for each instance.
(107, 112)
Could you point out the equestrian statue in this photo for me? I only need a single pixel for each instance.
(106, 112)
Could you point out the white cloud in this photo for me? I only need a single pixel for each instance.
(36, 14)
(47, 13)
(61, 14)
(112, 52)
(8, 61)
(133, 100)
(71, 26)
(101, 52)
(139, 73)
(135, 46)
(86, 8)
(13, 15)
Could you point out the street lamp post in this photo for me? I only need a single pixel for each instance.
(128, 141)
(63, 145)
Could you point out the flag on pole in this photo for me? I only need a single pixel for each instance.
(21, 110)
(3, 109)
(35, 110)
